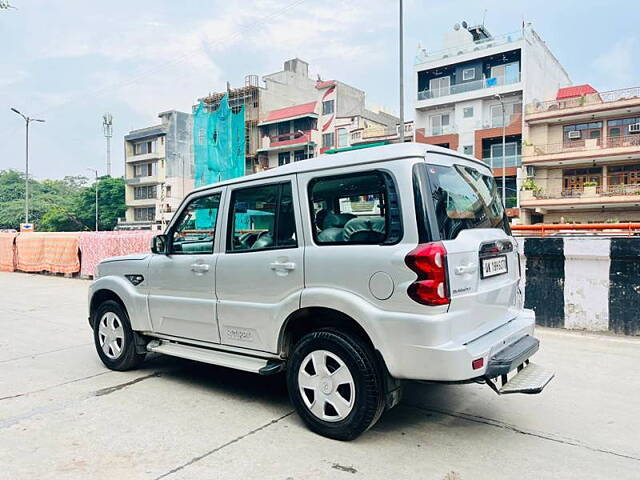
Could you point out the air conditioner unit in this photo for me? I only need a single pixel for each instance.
(574, 135)
(634, 128)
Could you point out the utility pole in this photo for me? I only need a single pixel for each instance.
(401, 132)
(96, 184)
(504, 152)
(27, 121)
(107, 128)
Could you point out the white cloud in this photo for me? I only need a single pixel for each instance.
(618, 63)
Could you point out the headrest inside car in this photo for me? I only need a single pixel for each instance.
(337, 220)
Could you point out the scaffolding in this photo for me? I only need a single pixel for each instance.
(245, 98)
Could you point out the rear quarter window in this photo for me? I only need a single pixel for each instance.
(462, 198)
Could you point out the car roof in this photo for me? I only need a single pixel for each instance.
(355, 157)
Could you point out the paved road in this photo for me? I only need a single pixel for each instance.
(63, 415)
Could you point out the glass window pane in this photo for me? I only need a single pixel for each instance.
(194, 232)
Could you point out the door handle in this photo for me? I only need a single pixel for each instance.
(199, 267)
(282, 266)
(469, 268)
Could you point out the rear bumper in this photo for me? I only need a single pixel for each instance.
(452, 362)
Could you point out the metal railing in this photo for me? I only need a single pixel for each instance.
(510, 161)
(585, 100)
(610, 190)
(605, 229)
(424, 56)
(469, 86)
(583, 145)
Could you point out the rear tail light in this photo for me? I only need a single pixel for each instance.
(429, 262)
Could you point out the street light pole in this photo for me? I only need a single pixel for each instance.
(504, 152)
(27, 121)
(401, 45)
(96, 184)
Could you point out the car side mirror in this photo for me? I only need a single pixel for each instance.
(159, 244)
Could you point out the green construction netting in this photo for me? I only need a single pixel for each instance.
(218, 143)
(218, 147)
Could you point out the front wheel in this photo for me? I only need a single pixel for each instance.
(335, 384)
(113, 337)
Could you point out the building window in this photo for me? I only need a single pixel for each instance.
(168, 191)
(574, 180)
(468, 149)
(439, 123)
(142, 148)
(299, 155)
(581, 132)
(439, 86)
(327, 107)
(145, 214)
(506, 74)
(467, 112)
(343, 140)
(144, 193)
(284, 158)
(468, 74)
(510, 110)
(144, 170)
(283, 128)
(327, 140)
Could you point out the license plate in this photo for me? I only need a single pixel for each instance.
(494, 266)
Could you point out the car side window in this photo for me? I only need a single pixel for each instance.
(262, 218)
(357, 208)
(194, 232)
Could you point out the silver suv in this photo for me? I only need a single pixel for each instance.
(351, 272)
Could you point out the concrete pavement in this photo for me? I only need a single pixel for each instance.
(63, 415)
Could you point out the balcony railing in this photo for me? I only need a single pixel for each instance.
(615, 190)
(469, 86)
(585, 100)
(583, 145)
(423, 56)
(445, 130)
(510, 161)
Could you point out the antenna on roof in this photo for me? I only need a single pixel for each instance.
(484, 16)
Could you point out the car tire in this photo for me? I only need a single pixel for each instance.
(113, 337)
(335, 384)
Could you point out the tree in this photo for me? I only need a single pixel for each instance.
(110, 200)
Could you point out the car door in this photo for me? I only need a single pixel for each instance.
(182, 300)
(259, 276)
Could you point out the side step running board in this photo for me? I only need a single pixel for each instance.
(237, 361)
(530, 378)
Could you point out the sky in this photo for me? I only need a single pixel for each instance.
(69, 61)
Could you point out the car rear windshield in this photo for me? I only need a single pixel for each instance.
(462, 197)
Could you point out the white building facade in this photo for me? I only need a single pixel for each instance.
(463, 88)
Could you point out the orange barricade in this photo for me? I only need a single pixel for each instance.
(51, 252)
(7, 252)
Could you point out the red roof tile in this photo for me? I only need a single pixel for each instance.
(291, 112)
(575, 91)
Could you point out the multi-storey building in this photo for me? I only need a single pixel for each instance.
(158, 171)
(582, 157)
(336, 119)
(475, 86)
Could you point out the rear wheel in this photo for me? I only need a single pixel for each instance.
(335, 384)
(114, 338)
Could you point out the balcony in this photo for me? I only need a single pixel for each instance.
(141, 157)
(466, 87)
(141, 180)
(574, 151)
(510, 161)
(285, 141)
(425, 57)
(586, 197)
(597, 99)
